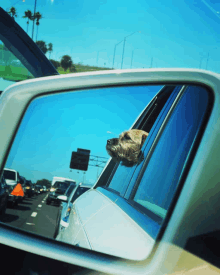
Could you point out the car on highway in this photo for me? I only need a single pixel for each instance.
(62, 221)
(4, 194)
(29, 187)
(38, 189)
(12, 179)
(60, 187)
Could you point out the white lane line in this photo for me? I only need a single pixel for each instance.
(39, 205)
(29, 223)
(34, 214)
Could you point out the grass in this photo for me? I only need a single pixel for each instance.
(14, 73)
(82, 68)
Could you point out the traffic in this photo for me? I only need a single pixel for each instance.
(39, 209)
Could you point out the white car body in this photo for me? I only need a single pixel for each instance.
(14, 181)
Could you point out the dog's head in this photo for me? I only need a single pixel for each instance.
(127, 148)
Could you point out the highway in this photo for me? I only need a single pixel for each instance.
(33, 215)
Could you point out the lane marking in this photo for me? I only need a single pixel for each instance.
(29, 223)
(34, 214)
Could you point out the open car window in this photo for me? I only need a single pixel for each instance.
(149, 188)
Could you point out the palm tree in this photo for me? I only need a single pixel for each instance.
(13, 12)
(38, 16)
(50, 48)
(28, 15)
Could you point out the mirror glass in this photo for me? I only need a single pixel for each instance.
(53, 127)
(62, 145)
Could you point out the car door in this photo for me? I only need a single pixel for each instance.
(20, 57)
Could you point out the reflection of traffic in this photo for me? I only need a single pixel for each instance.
(37, 208)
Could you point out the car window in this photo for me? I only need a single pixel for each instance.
(61, 184)
(9, 175)
(79, 192)
(11, 69)
(70, 189)
(123, 175)
(150, 187)
(163, 172)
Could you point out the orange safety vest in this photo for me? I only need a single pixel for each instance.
(18, 191)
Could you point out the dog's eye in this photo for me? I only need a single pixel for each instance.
(126, 137)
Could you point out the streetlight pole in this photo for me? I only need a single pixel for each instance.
(124, 46)
(114, 53)
(35, 4)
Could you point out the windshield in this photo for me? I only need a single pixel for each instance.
(10, 175)
(61, 184)
(101, 35)
(11, 68)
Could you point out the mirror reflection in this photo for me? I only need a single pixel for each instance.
(54, 184)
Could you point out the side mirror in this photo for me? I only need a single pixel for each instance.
(60, 114)
(62, 198)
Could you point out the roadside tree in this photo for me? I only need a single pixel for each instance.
(38, 16)
(43, 182)
(13, 12)
(50, 48)
(28, 15)
(66, 62)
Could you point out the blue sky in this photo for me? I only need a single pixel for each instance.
(173, 33)
(54, 126)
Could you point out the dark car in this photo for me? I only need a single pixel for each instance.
(60, 188)
(3, 196)
(29, 188)
(38, 189)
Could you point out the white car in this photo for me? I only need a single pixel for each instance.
(12, 179)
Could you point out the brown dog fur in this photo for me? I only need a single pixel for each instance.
(127, 148)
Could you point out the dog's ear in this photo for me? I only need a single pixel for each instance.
(144, 136)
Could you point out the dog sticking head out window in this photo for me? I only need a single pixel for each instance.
(127, 148)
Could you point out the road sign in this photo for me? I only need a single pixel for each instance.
(80, 159)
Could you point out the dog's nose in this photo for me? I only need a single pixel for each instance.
(112, 141)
